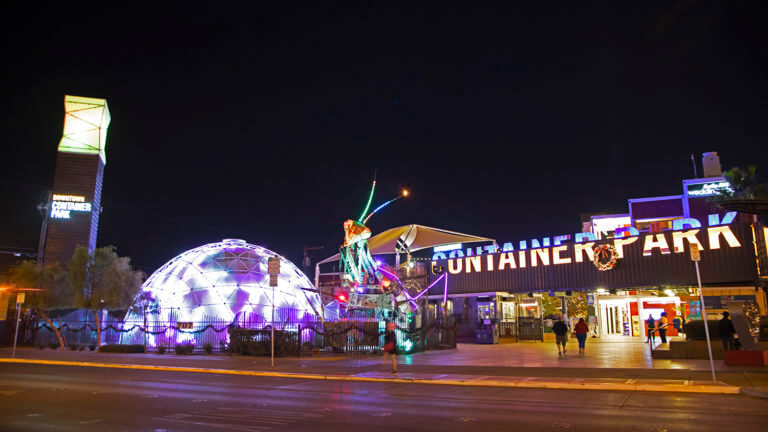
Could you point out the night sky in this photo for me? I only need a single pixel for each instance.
(265, 122)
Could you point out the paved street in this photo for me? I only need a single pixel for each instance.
(617, 357)
(34, 397)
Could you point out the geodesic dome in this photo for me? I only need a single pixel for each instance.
(224, 283)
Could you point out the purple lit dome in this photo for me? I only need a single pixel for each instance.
(222, 283)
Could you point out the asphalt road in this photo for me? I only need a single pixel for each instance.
(59, 398)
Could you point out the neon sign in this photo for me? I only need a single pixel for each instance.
(63, 205)
(689, 230)
(708, 189)
(447, 247)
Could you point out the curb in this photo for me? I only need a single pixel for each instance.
(629, 385)
(751, 391)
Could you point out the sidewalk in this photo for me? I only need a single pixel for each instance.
(608, 365)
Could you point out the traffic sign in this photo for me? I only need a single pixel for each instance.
(695, 254)
(273, 266)
(20, 297)
(273, 280)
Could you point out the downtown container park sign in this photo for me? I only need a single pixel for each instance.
(728, 255)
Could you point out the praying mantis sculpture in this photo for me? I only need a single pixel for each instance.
(359, 268)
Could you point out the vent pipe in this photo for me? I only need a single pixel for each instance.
(711, 163)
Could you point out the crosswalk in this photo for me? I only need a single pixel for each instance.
(239, 419)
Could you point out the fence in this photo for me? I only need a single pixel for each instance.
(360, 332)
(529, 329)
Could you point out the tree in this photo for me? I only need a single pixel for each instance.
(145, 303)
(745, 185)
(49, 289)
(551, 306)
(103, 280)
(577, 305)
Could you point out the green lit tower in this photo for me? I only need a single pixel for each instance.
(72, 213)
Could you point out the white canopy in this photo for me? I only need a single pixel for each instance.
(415, 237)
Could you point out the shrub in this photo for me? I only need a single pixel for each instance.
(91, 347)
(208, 348)
(53, 345)
(82, 348)
(74, 347)
(41, 346)
(184, 349)
(118, 348)
(161, 349)
(257, 342)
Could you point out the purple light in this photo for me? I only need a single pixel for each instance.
(445, 290)
(430, 286)
(390, 274)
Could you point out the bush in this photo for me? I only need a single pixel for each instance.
(161, 349)
(694, 330)
(41, 346)
(53, 345)
(184, 349)
(82, 348)
(257, 342)
(118, 348)
(74, 347)
(208, 348)
(91, 347)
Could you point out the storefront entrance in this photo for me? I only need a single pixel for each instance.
(626, 314)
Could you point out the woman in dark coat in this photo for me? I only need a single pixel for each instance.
(390, 345)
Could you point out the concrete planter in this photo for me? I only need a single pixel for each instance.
(746, 358)
(695, 350)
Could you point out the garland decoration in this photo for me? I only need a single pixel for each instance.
(603, 252)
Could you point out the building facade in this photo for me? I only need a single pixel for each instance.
(74, 206)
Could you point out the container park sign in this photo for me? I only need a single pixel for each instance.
(62, 206)
(641, 260)
(545, 253)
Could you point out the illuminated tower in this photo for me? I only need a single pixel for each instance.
(73, 211)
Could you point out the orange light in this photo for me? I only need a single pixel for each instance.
(405, 192)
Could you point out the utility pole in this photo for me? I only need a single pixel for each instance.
(306, 262)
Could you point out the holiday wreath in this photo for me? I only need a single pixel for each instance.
(605, 257)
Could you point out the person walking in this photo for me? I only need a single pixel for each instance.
(725, 326)
(561, 335)
(663, 323)
(651, 323)
(581, 330)
(390, 345)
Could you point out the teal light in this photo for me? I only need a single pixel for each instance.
(370, 198)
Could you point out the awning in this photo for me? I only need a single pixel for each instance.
(416, 237)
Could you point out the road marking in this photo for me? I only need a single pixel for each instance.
(216, 425)
(245, 419)
(9, 392)
(519, 382)
(90, 421)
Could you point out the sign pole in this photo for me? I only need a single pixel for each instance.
(272, 351)
(273, 267)
(696, 257)
(19, 302)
